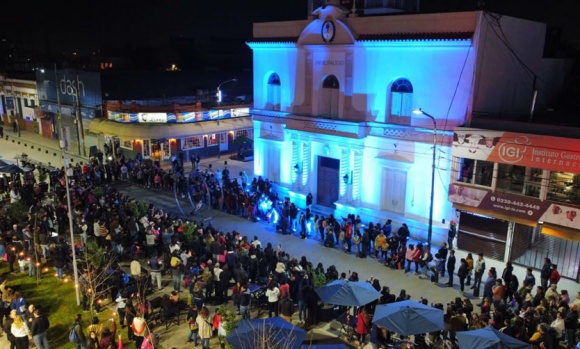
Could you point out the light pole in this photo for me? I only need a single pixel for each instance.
(219, 91)
(70, 221)
(430, 229)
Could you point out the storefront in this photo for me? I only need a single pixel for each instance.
(518, 197)
(160, 136)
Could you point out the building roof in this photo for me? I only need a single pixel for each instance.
(282, 39)
(416, 36)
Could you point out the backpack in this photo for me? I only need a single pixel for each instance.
(73, 336)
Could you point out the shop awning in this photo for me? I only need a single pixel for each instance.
(561, 232)
(162, 131)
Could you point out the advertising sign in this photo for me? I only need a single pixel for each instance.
(67, 110)
(519, 206)
(544, 152)
(68, 85)
(159, 118)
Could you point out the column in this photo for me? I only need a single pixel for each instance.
(305, 164)
(344, 170)
(356, 175)
(295, 161)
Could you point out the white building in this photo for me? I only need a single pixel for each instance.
(18, 100)
(334, 96)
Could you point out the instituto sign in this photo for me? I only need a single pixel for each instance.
(159, 118)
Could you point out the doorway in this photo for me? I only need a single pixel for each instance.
(328, 181)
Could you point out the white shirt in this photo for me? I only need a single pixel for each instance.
(273, 294)
(136, 268)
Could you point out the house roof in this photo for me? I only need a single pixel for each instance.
(448, 36)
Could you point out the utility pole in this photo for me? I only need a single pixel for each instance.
(80, 128)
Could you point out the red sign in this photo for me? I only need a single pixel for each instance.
(544, 152)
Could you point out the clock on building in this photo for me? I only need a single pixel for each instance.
(328, 31)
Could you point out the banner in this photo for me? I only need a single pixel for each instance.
(519, 206)
(544, 152)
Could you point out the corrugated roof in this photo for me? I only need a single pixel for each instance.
(416, 36)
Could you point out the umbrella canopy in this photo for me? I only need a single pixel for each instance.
(324, 346)
(489, 338)
(5, 163)
(348, 293)
(276, 331)
(12, 168)
(408, 317)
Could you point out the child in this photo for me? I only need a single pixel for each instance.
(22, 262)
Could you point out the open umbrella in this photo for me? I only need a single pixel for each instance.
(489, 338)
(5, 163)
(275, 332)
(408, 317)
(348, 293)
(324, 346)
(12, 168)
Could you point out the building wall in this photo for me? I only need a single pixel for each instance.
(25, 99)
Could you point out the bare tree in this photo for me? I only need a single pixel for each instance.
(96, 264)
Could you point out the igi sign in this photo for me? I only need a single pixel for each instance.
(512, 153)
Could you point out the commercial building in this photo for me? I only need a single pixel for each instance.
(18, 102)
(334, 97)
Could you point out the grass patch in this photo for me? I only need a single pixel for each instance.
(58, 302)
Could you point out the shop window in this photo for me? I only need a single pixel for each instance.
(192, 143)
(212, 139)
(510, 178)
(564, 187)
(483, 173)
(239, 133)
(223, 138)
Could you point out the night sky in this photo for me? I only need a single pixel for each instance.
(87, 25)
(84, 25)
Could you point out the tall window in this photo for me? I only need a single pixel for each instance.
(401, 102)
(329, 97)
(273, 93)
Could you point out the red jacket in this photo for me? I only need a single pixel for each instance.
(363, 323)
(554, 277)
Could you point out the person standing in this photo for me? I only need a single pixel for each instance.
(40, 325)
(155, 269)
(462, 273)
(7, 327)
(245, 299)
(273, 294)
(363, 325)
(498, 291)
(443, 252)
(193, 326)
(489, 283)
(1, 131)
(78, 328)
(479, 270)
(19, 330)
(205, 327)
(545, 273)
(286, 308)
(450, 267)
(571, 325)
(451, 234)
(138, 326)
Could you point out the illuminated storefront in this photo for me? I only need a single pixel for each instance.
(519, 196)
(160, 135)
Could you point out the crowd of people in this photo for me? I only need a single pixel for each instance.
(217, 267)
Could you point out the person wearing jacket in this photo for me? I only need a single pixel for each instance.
(245, 299)
(462, 273)
(38, 330)
(205, 327)
(138, 326)
(571, 325)
(108, 336)
(82, 340)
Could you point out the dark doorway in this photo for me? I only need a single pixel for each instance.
(328, 181)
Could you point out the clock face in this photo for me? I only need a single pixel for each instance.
(328, 31)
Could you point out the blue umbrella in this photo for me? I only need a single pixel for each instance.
(277, 332)
(408, 317)
(324, 346)
(489, 338)
(348, 293)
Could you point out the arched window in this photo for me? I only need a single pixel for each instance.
(329, 97)
(401, 102)
(273, 92)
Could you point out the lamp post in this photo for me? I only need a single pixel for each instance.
(70, 222)
(219, 91)
(430, 229)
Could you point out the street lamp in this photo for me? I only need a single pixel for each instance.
(430, 229)
(219, 91)
(70, 221)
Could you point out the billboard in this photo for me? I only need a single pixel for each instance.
(65, 86)
(521, 149)
(523, 207)
(180, 118)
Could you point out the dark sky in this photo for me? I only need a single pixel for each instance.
(89, 24)
(84, 25)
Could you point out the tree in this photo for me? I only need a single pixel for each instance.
(95, 279)
(189, 230)
(138, 208)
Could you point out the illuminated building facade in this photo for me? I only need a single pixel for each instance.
(334, 95)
